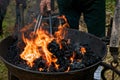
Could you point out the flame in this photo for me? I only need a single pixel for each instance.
(32, 52)
(41, 69)
(36, 46)
(83, 50)
(67, 69)
(60, 34)
(72, 58)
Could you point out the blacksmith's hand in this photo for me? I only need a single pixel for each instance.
(45, 4)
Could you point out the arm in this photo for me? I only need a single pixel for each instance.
(43, 4)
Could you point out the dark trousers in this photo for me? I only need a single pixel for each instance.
(93, 11)
(2, 15)
(19, 16)
(1, 25)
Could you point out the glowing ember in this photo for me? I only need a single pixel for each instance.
(83, 50)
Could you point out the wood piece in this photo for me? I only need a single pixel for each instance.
(114, 40)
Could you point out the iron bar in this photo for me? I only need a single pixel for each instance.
(50, 23)
(38, 22)
(110, 67)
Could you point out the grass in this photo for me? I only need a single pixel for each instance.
(8, 25)
(3, 71)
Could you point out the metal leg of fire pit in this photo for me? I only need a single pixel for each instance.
(11, 76)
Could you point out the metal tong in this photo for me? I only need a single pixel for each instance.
(39, 21)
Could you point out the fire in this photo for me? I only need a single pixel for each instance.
(83, 50)
(36, 46)
(72, 58)
(60, 34)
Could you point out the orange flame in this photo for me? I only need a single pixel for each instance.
(60, 34)
(36, 46)
(83, 50)
(72, 58)
(32, 52)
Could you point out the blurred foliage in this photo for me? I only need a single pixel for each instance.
(110, 6)
(9, 19)
(3, 71)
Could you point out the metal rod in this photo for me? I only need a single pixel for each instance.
(36, 23)
(110, 67)
(39, 23)
(21, 16)
(11, 76)
(60, 21)
(50, 23)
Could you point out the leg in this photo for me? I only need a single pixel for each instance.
(94, 16)
(65, 8)
(17, 16)
(2, 15)
(11, 76)
(1, 31)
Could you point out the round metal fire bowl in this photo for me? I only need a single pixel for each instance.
(76, 37)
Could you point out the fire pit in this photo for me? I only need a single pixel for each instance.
(75, 36)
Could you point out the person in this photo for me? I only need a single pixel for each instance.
(20, 15)
(93, 12)
(3, 8)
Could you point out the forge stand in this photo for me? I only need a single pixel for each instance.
(13, 77)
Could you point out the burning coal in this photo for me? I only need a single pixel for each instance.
(47, 52)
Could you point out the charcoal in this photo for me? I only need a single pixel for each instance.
(77, 65)
(44, 70)
(63, 61)
(63, 56)
(59, 54)
(79, 55)
(63, 68)
(86, 46)
(53, 47)
(64, 65)
(21, 46)
(90, 58)
(67, 49)
(52, 68)
(66, 45)
(39, 63)
(68, 53)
